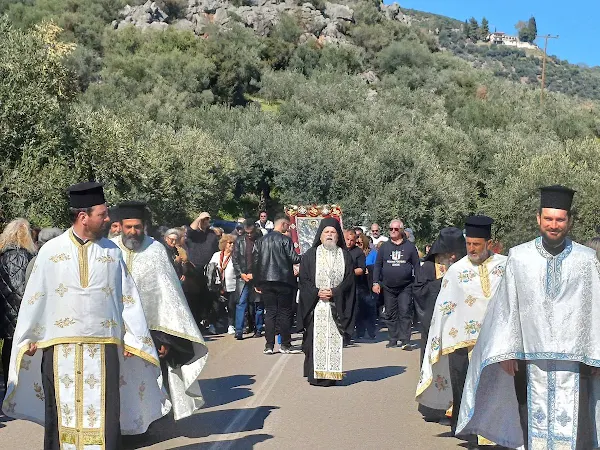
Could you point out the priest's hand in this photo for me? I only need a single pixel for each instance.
(376, 288)
(127, 354)
(163, 351)
(325, 294)
(32, 349)
(510, 366)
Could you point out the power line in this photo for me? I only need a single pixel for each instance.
(545, 37)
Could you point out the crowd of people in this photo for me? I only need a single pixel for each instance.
(532, 360)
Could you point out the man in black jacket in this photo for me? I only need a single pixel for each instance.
(242, 265)
(201, 244)
(397, 262)
(274, 278)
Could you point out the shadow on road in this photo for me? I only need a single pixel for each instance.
(224, 390)
(202, 424)
(245, 442)
(371, 374)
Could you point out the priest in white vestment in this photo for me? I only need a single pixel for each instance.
(533, 380)
(326, 284)
(178, 340)
(83, 362)
(466, 290)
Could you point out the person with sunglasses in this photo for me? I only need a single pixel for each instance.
(393, 275)
(376, 235)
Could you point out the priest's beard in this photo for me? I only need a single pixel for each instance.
(112, 235)
(330, 244)
(133, 241)
(551, 242)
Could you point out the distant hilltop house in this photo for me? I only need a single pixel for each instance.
(500, 38)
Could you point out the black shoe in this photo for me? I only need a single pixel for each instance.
(268, 351)
(405, 345)
(239, 337)
(391, 344)
(257, 334)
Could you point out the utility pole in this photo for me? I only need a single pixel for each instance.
(546, 37)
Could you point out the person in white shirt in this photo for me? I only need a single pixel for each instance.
(223, 260)
(376, 235)
(265, 225)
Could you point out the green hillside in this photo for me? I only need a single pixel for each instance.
(227, 106)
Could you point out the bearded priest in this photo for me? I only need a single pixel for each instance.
(83, 363)
(326, 285)
(466, 290)
(174, 331)
(534, 375)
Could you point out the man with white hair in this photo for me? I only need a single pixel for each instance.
(393, 274)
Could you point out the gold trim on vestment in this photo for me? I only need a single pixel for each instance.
(484, 276)
(79, 394)
(55, 357)
(444, 352)
(103, 394)
(177, 334)
(82, 259)
(321, 375)
(145, 356)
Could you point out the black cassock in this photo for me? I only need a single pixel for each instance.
(112, 406)
(425, 292)
(181, 351)
(342, 295)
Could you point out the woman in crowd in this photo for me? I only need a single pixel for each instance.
(367, 301)
(16, 250)
(222, 259)
(173, 238)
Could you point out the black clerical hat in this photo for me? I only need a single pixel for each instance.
(479, 227)
(556, 197)
(450, 240)
(132, 210)
(330, 222)
(114, 214)
(86, 195)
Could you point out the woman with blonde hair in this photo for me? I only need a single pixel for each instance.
(224, 265)
(16, 250)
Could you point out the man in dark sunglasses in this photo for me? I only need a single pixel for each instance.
(376, 235)
(393, 274)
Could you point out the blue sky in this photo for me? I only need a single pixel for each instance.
(575, 22)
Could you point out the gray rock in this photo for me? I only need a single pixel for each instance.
(391, 11)
(336, 11)
(211, 6)
(221, 17)
(184, 25)
(312, 19)
(200, 22)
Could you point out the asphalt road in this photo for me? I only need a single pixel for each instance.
(263, 402)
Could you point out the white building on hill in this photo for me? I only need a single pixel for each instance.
(500, 38)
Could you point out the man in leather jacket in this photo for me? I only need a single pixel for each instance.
(242, 265)
(274, 278)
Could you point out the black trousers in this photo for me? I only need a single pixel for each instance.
(278, 299)
(367, 312)
(6, 351)
(459, 365)
(398, 312)
(112, 411)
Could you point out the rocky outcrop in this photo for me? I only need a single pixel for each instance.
(327, 26)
